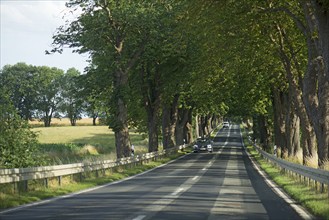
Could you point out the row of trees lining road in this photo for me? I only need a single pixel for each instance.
(263, 59)
(170, 67)
(276, 54)
(142, 66)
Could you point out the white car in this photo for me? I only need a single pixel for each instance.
(226, 124)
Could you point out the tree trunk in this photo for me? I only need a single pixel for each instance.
(202, 126)
(197, 126)
(279, 119)
(122, 143)
(153, 131)
(47, 119)
(308, 140)
(119, 123)
(180, 131)
(209, 124)
(255, 128)
(121, 131)
(295, 136)
(214, 121)
(73, 121)
(316, 79)
(264, 134)
(248, 123)
(169, 119)
(151, 102)
(189, 128)
(152, 106)
(292, 131)
(322, 17)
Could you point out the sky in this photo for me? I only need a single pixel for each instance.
(26, 30)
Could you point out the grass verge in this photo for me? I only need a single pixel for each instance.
(10, 200)
(317, 203)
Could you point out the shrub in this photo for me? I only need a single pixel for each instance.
(18, 144)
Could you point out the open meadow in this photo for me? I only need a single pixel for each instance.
(62, 143)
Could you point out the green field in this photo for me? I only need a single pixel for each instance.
(68, 144)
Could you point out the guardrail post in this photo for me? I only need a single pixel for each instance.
(322, 188)
(22, 186)
(45, 182)
(59, 180)
(15, 187)
(25, 185)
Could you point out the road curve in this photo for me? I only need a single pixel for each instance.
(219, 185)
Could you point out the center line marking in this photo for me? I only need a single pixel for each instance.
(194, 178)
(177, 191)
(140, 217)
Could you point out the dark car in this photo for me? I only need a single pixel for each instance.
(203, 144)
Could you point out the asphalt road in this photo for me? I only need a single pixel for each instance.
(219, 185)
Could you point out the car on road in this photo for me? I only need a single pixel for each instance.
(226, 124)
(203, 144)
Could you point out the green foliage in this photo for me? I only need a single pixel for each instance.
(19, 81)
(72, 100)
(18, 144)
(48, 92)
(35, 91)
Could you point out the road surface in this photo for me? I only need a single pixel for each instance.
(219, 185)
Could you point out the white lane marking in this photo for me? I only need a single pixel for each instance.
(160, 204)
(194, 178)
(140, 217)
(177, 191)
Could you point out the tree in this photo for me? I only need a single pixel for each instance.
(18, 144)
(314, 80)
(115, 34)
(19, 79)
(72, 102)
(48, 93)
(96, 92)
(316, 98)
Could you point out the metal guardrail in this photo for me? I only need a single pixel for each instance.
(318, 175)
(34, 173)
